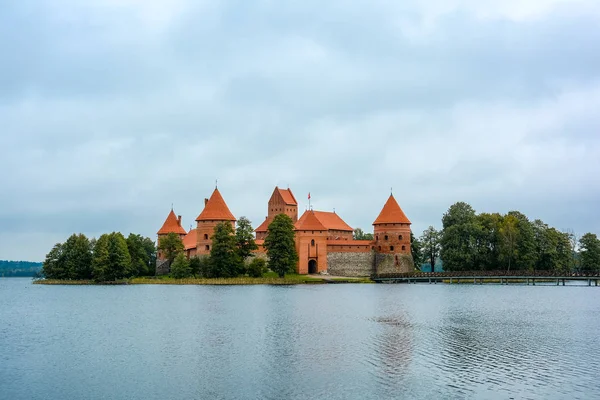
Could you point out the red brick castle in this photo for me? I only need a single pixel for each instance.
(323, 240)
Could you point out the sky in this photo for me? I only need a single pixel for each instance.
(112, 110)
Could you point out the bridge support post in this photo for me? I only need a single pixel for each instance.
(563, 281)
(451, 281)
(589, 282)
(533, 281)
(596, 282)
(430, 281)
(474, 281)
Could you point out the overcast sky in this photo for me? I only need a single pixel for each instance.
(111, 110)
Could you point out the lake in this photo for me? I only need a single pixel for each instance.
(347, 341)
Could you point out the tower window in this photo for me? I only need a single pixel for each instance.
(312, 242)
(379, 248)
(207, 247)
(400, 237)
(377, 237)
(403, 247)
(205, 236)
(391, 248)
(386, 237)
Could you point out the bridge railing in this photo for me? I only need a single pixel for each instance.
(451, 274)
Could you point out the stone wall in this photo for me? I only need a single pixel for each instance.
(350, 264)
(162, 267)
(393, 263)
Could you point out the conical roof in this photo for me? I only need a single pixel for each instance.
(309, 222)
(171, 225)
(216, 209)
(391, 213)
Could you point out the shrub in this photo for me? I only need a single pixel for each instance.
(257, 268)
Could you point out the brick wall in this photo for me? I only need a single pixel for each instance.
(393, 263)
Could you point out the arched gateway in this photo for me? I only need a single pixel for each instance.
(312, 266)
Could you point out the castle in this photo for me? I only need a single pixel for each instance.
(324, 242)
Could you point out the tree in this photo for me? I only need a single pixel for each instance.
(111, 260)
(430, 240)
(280, 245)
(589, 253)
(359, 234)
(195, 266)
(459, 248)
(524, 255)
(508, 234)
(488, 241)
(244, 236)
(100, 259)
(77, 257)
(180, 267)
(53, 267)
(225, 260)
(171, 245)
(416, 250)
(143, 254)
(257, 268)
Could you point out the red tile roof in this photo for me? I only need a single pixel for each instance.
(309, 222)
(216, 209)
(263, 227)
(190, 240)
(287, 196)
(391, 213)
(171, 225)
(332, 221)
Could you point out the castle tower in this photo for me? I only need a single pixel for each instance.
(392, 229)
(172, 225)
(215, 211)
(282, 201)
(311, 244)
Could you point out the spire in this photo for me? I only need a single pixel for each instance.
(171, 225)
(216, 209)
(391, 213)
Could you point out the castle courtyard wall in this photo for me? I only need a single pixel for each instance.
(393, 263)
(345, 263)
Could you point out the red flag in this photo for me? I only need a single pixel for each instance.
(309, 195)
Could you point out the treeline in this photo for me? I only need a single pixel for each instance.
(111, 257)
(232, 248)
(19, 268)
(472, 242)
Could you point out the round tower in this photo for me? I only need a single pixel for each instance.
(215, 211)
(391, 230)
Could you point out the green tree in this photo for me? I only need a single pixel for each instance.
(54, 265)
(488, 241)
(280, 245)
(225, 260)
(78, 257)
(111, 260)
(416, 250)
(590, 253)
(195, 266)
(431, 240)
(257, 268)
(143, 254)
(101, 259)
(525, 256)
(244, 236)
(171, 245)
(180, 267)
(359, 234)
(459, 249)
(508, 233)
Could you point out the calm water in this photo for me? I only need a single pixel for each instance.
(298, 342)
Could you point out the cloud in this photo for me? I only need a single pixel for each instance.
(113, 110)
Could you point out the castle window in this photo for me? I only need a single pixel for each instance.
(205, 236)
(312, 242)
(400, 237)
(377, 237)
(379, 248)
(207, 247)
(386, 237)
(391, 248)
(372, 247)
(403, 247)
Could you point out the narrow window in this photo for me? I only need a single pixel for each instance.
(312, 242)
(207, 247)
(400, 237)
(386, 237)
(391, 248)
(403, 247)
(205, 236)
(379, 248)
(377, 237)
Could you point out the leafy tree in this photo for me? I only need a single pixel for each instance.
(171, 245)
(508, 233)
(359, 234)
(458, 238)
(257, 268)
(416, 250)
(524, 257)
(488, 241)
(590, 253)
(111, 260)
(54, 266)
(431, 239)
(224, 257)
(195, 266)
(78, 257)
(180, 267)
(280, 245)
(244, 236)
(143, 254)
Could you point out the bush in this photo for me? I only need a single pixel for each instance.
(257, 268)
(180, 267)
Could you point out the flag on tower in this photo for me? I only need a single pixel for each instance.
(309, 195)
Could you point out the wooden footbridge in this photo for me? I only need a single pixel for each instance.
(495, 277)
